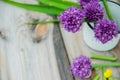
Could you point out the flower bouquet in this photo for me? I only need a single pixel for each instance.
(99, 31)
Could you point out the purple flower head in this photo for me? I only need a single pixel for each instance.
(81, 67)
(94, 11)
(105, 30)
(82, 3)
(72, 19)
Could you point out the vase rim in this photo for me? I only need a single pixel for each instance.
(113, 2)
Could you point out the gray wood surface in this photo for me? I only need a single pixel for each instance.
(22, 57)
(27, 54)
(61, 54)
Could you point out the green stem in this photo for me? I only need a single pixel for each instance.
(101, 57)
(103, 70)
(97, 68)
(44, 22)
(107, 9)
(96, 77)
(113, 64)
(110, 78)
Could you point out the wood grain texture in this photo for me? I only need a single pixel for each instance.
(27, 56)
(21, 57)
(61, 54)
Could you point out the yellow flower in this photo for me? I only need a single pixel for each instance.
(108, 73)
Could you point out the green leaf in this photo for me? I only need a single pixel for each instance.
(97, 68)
(102, 57)
(44, 22)
(38, 8)
(69, 3)
(96, 77)
(109, 64)
(59, 4)
(110, 78)
(103, 70)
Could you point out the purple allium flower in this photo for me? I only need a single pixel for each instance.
(81, 66)
(105, 30)
(72, 19)
(82, 3)
(94, 11)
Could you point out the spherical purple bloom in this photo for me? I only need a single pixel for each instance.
(94, 11)
(105, 30)
(81, 67)
(82, 3)
(71, 19)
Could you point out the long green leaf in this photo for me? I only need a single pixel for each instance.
(103, 57)
(103, 70)
(68, 3)
(59, 4)
(53, 3)
(110, 78)
(38, 8)
(115, 64)
(96, 77)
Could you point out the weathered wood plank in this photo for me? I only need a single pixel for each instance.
(61, 54)
(20, 57)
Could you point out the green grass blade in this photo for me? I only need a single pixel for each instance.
(103, 70)
(38, 8)
(59, 4)
(102, 57)
(96, 77)
(110, 78)
(68, 3)
(53, 3)
(113, 64)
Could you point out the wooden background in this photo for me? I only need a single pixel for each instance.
(26, 55)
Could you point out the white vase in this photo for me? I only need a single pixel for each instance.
(89, 36)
